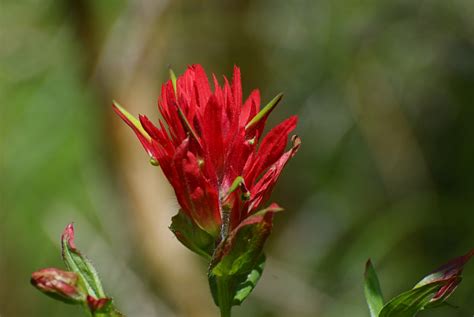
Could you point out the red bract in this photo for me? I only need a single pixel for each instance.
(450, 273)
(209, 145)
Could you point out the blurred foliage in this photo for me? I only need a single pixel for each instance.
(383, 90)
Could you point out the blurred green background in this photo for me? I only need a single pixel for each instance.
(384, 91)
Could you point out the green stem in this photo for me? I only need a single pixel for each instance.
(224, 296)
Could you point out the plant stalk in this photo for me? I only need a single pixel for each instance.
(224, 296)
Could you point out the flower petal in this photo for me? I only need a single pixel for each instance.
(262, 190)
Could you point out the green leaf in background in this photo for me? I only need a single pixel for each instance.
(373, 293)
(193, 237)
(409, 303)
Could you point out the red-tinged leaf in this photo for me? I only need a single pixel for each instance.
(238, 261)
(239, 252)
(451, 272)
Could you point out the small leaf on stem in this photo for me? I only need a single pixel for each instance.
(373, 293)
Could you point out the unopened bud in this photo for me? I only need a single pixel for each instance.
(58, 284)
(98, 304)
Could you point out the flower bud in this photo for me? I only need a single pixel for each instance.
(58, 284)
(98, 304)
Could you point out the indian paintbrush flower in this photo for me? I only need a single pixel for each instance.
(211, 148)
(208, 146)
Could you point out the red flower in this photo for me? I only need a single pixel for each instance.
(209, 145)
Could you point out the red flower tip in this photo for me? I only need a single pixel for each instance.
(450, 274)
(68, 236)
(97, 304)
(453, 268)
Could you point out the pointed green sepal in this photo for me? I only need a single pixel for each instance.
(131, 120)
(266, 110)
(173, 82)
(239, 183)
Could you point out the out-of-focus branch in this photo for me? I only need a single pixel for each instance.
(122, 71)
(387, 130)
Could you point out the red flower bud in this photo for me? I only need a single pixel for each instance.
(97, 304)
(450, 273)
(58, 284)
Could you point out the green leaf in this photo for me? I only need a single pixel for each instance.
(409, 303)
(239, 286)
(79, 264)
(193, 237)
(373, 293)
(248, 282)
